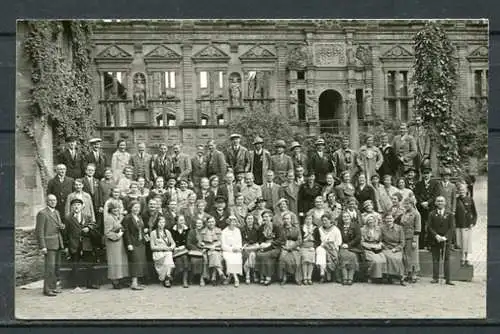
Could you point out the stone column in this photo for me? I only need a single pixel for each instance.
(187, 84)
(281, 87)
(379, 107)
(464, 75)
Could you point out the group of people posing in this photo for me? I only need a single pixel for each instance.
(252, 215)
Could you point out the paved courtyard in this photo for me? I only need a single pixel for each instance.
(328, 301)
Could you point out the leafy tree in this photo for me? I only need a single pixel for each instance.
(435, 83)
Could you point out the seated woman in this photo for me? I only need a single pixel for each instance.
(397, 208)
(318, 211)
(183, 193)
(239, 210)
(281, 208)
(270, 249)
(197, 258)
(327, 252)
(350, 248)
(329, 187)
(232, 246)
(289, 260)
(371, 237)
(403, 189)
(332, 204)
(310, 241)
(351, 208)
(181, 259)
(369, 209)
(162, 246)
(250, 238)
(211, 241)
(393, 241)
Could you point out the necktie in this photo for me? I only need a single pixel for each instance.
(141, 156)
(91, 183)
(72, 154)
(96, 156)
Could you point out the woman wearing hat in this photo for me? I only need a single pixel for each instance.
(281, 163)
(410, 221)
(289, 259)
(371, 242)
(260, 161)
(119, 159)
(270, 248)
(393, 242)
(232, 247)
(220, 212)
(260, 207)
(369, 210)
(115, 249)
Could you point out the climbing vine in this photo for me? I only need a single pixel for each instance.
(435, 84)
(60, 56)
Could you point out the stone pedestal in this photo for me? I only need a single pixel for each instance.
(235, 112)
(140, 116)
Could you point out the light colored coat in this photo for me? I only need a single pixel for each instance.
(115, 249)
(118, 162)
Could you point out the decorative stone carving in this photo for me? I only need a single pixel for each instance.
(479, 54)
(311, 104)
(329, 54)
(368, 102)
(258, 84)
(257, 52)
(235, 89)
(162, 52)
(293, 103)
(114, 52)
(350, 101)
(351, 59)
(298, 58)
(139, 90)
(397, 52)
(211, 52)
(364, 55)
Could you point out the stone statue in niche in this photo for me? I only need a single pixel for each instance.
(293, 103)
(351, 59)
(235, 89)
(349, 102)
(298, 58)
(363, 55)
(139, 90)
(258, 85)
(368, 102)
(311, 103)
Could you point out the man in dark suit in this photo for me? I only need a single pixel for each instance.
(441, 229)
(49, 228)
(448, 190)
(61, 186)
(298, 158)
(237, 156)
(141, 161)
(73, 159)
(161, 164)
(91, 186)
(270, 191)
(181, 164)
(320, 163)
(97, 157)
(228, 189)
(216, 162)
(260, 161)
(82, 235)
(290, 192)
(424, 194)
(199, 166)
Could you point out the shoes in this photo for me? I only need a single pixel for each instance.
(247, 280)
(57, 290)
(202, 282)
(137, 287)
(349, 282)
(236, 283)
(309, 282)
(267, 282)
(344, 282)
(402, 283)
(435, 281)
(50, 294)
(322, 279)
(298, 282)
(449, 283)
(79, 290)
(93, 287)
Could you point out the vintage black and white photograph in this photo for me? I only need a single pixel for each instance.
(251, 169)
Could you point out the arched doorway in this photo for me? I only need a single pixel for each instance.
(330, 111)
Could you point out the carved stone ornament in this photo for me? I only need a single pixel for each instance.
(211, 52)
(397, 52)
(298, 58)
(481, 53)
(330, 54)
(368, 102)
(258, 52)
(364, 55)
(114, 52)
(235, 89)
(163, 52)
(139, 90)
(311, 104)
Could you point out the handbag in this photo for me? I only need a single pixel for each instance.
(195, 253)
(179, 251)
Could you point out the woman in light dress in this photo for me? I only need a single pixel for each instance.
(327, 253)
(371, 241)
(211, 237)
(310, 241)
(370, 158)
(119, 159)
(232, 245)
(318, 211)
(162, 246)
(183, 193)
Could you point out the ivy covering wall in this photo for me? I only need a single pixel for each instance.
(60, 55)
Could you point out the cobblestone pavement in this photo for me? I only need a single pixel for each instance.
(328, 301)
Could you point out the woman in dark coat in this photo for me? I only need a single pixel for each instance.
(250, 238)
(365, 192)
(133, 237)
(270, 248)
(195, 248)
(310, 241)
(350, 248)
(291, 240)
(181, 259)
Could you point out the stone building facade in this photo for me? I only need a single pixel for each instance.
(182, 81)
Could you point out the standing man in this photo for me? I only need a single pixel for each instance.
(181, 165)
(424, 194)
(237, 156)
(281, 163)
(72, 158)
(91, 187)
(448, 190)
(60, 186)
(49, 229)
(405, 148)
(320, 163)
(97, 157)
(298, 158)
(270, 191)
(216, 162)
(423, 141)
(260, 161)
(369, 158)
(228, 189)
(141, 161)
(390, 160)
(466, 218)
(198, 166)
(290, 192)
(345, 159)
(440, 235)
(161, 164)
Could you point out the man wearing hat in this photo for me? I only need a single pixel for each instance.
(97, 157)
(82, 234)
(49, 229)
(423, 141)
(237, 156)
(281, 163)
(346, 159)
(405, 148)
(260, 160)
(424, 194)
(411, 178)
(320, 163)
(198, 166)
(216, 162)
(72, 158)
(298, 158)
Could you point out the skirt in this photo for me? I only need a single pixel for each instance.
(234, 262)
(214, 259)
(164, 263)
(198, 265)
(464, 239)
(137, 261)
(395, 266)
(116, 256)
(376, 264)
(348, 260)
(411, 258)
(266, 262)
(289, 263)
(249, 259)
(308, 255)
(182, 263)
